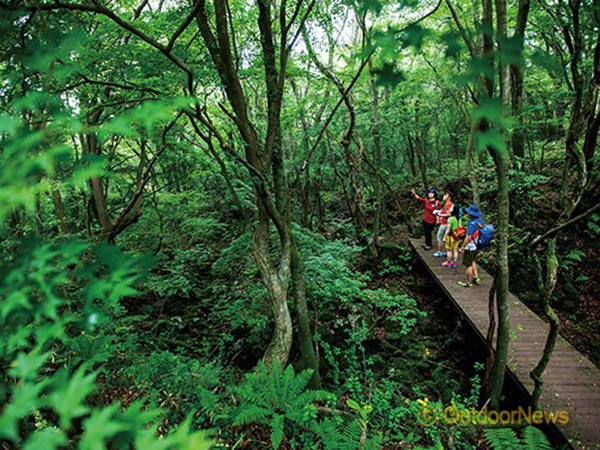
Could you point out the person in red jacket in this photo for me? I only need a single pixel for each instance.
(431, 203)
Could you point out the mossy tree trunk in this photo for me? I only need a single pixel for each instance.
(548, 285)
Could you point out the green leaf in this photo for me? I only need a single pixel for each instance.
(413, 36)
(27, 365)
(352, 404)
(370, 5)
(9, 125)
(453, 44)
(48, 439)
(182, 439)
(535, 439)
(24, 400)
(387, 75)
(68, 400)
(99, 427)
(276, 430)
(491, 138)
(502, 438)
(576, 255)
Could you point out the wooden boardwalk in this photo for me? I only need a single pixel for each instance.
(571, 380)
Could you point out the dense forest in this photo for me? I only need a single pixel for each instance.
(205, 208)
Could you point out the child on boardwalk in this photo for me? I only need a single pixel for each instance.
(469, 246)
(431, 203)
(443, 216)
(452, 239)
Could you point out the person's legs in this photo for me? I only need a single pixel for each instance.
(476, 279)
(468, 261)
(448, 247)
(440, 240)
(454, 256)
(428, 227)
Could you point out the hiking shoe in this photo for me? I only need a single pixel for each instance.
(438, 254)
(465, 284)
(476, 281)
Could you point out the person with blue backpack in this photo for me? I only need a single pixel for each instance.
(478, 238)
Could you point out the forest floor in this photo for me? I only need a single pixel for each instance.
(453, 346)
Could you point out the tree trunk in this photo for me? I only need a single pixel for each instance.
(501, 160)
(277, 283)
(39, 223)
(489, 338)
(517, 85)
(548, 290)
(59, 209)
(377, 155)
(518, 133)
(90, 146)
(308, 359)
(502, 274)
(419, 149)
(469, 161)
(411, 156)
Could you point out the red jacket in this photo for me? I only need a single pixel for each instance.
(430, 205)
(448, 206)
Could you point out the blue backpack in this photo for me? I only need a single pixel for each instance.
(486, 234)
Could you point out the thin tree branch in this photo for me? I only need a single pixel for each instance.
(183, 26)
(99, 9)
(554, 231)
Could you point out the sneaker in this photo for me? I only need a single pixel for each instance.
(453, 265)
(465, 284)
(446, 264)
(426, 247)
(476, 281)
(438, 254)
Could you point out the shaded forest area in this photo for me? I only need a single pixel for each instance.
(205, 207)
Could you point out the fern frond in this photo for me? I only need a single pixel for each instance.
(535, 439)
(276, 430)
(274, 383)
(502, 439)
(251, 413)
(330, 434)
(307, 397)
(352, 434)
(373, 443)
(288, 379)
(302, 380)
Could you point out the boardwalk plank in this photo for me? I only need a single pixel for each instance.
(571, 380)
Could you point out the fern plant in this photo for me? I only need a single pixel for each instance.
(274, 397)
(350, 435)
(505, 438)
